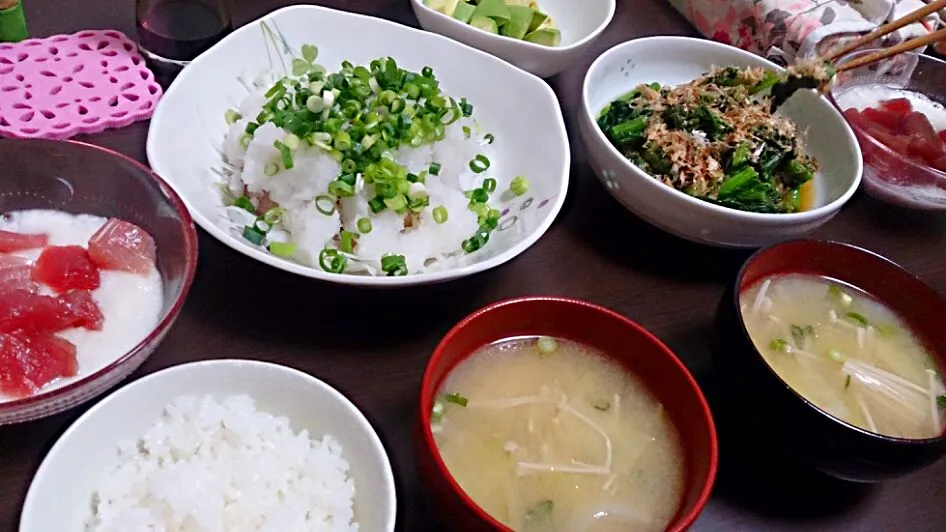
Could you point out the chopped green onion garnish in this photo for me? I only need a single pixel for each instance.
(286, 154)
(341, 189)
(838, 292)
(346, 242)
(291, 141)
(601, 405)
(231, 116)
(364, 225)
(847, 382)
(886, 330)
(478, 195)
(457, 399)
(245, 140)
(836, 355)
(253, 235)
(467, 132)
(282, 249)
(251, 128)
(779, 345)
(489, 185)
(332, 261)
(325, 205)
(436, 412)
(434, 169)
(274, 215)
(489, 138)
(271, 169)
(941, 401)
(394, 265)
(540, 512)
(376, 204)
(519, 185)
(440, 214)
(479, 164)
(859, 318)
(244, 203)
(546, 344)
(396, 203)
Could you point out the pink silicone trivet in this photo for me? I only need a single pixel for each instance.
(64, 85)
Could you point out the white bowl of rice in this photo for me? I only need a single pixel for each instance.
(216, 446)
(356, 150)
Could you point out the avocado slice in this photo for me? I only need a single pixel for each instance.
(544, 36)
(494, 9)
(463, 12)
(538, 18)
(484, 23)
(519, 19)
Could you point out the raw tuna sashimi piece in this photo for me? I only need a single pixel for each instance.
(15, 274)
(29, 361)
(65, 268)
(24, 310)
(10, 241)
(12, 375)
(897, 105)
(84, 310)
(119, 245)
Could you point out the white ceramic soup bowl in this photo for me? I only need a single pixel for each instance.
(187, 130)
(676, 60)
(60, 497)
(581, 22)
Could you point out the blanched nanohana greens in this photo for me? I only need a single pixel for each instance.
(360, 116)
(715, 139)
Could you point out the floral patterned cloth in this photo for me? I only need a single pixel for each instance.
(783, 30)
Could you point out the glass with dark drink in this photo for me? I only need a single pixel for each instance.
(171, 33)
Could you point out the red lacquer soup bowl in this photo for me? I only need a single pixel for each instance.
(784, 420)
(619, 338)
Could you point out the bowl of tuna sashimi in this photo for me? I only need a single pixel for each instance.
(97, 255)
(897, 109)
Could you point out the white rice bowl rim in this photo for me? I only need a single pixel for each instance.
(33, 504)
(448, 274)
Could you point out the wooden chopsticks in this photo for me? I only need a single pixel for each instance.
(905, 46)
(909, 18)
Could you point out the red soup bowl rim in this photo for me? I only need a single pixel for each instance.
(875, 143)
(190, 237)
(830, 244)
(681, 522)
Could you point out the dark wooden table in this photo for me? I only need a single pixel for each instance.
(669, 286)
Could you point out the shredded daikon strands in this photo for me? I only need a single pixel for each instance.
(934, 408)
(866, 413)
(760, 297)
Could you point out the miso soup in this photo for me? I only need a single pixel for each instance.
(548, 435)
(847, 353)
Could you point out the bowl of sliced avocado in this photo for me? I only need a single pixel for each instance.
(543, 37)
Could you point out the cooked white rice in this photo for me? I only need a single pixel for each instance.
(208, 466)
(430, 246)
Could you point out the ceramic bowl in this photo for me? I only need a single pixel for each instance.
(534, 145)
(626, 342)
(81, 178)
(676, 60)
(782, 418)
(74, 467)
(888, 174)
(580, 23)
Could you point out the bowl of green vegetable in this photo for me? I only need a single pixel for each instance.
(717, 145)
(543, 37)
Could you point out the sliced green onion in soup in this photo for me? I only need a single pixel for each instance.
(436, 412)
(602, 405)
(457, 399)
(779, 345)
(847, 382)
(859, 318)
(540, 511)
(546, 345)
(941, 401)
(836, 356)
(839, 293)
